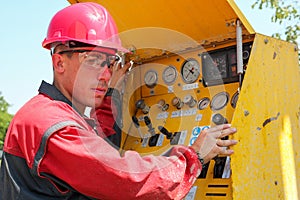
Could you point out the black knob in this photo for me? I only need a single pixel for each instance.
(219, 119)
(147, 121)
(164, 131)
(135, 121)
(149, 125)
(140, 104)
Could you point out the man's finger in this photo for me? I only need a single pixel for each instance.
(218, 128)
(127, 66)
(223, 151)
(226, 132)
(226, 143)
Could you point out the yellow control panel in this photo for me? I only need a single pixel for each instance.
(178, 96)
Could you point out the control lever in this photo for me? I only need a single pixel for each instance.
(137, 125)
(164, 131)
(149, 125)
(219, 161)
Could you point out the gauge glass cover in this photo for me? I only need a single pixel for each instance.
(190, 71)
(169, 75)
(234, 99)
(151, 78)
(219, 101)
(203, 103)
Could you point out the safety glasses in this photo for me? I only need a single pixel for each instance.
(93, 59)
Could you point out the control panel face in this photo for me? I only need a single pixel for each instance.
(180, 96)
(183, 93)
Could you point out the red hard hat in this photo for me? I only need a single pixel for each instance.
(87, 23)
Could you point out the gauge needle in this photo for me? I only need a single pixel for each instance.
(190, 71)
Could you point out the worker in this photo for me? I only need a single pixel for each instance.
(53, 151)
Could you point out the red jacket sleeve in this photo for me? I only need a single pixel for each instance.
(96, 169)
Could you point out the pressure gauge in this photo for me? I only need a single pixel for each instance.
(203, 103)
(169, 75)
(151, 78)
(234, 99)
(190, 70)
(219, 101)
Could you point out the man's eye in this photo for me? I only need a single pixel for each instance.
(91, 61)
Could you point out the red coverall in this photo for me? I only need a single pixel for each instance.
(51, 152)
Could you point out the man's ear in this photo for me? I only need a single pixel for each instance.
(57, 61)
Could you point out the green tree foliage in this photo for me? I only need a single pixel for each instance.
(287, 13)
(5, 119)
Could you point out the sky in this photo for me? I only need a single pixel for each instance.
(24, 63)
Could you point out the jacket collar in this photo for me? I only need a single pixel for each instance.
(52, 92)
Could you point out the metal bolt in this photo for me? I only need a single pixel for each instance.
(266, 41)
(246, 113)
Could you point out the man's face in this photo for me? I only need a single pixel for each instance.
(86, 77)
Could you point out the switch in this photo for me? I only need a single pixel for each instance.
(163, 105)
(149, 125)
(140, 104)
(164, 131)
(137, 125)
(177, 102)
(189, 100)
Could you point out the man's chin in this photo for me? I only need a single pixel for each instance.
(98, 102)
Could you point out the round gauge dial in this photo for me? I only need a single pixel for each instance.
(203, 103)
(169, 75)
(151, 78)
(219, 101)
(190, 71)
(234, 99)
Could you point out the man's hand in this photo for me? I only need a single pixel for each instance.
(210, 145)
(118, 74)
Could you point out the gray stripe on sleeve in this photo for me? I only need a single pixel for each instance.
(41, 151)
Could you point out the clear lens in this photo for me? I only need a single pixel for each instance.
(96, 59)
(93, 59)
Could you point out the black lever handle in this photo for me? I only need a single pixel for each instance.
(164, 131)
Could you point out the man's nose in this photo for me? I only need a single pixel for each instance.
(104, 74)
